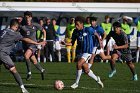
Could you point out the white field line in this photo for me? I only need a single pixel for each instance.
(86, 88)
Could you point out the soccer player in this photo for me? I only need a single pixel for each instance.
(29, 30)
(137, 22)
(84, 45)
(121, 49)
(7, 43)
(98, 43)
(57, 40)
(40, 37)
(69, 30)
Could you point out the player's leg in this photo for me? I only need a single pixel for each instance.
(80, 63)
(112, 64)
(92, 75)
(128, 59)
(8, 63)
(38, 66)
(103, 56)
(27, 55)
(91, 60)
(94, 53)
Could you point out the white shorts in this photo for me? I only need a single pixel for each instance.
(138, 41)
(97, 51)
(111, 42)
(86, 56)
(39, 47)
(57, 45)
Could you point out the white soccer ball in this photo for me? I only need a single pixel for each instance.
(59, 85)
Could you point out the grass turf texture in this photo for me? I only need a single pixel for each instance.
(120, 83)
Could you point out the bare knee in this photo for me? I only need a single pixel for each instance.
(86, 69)
(13, 69)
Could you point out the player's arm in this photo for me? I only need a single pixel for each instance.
(108, 38)
(27, 40)
(98, 37)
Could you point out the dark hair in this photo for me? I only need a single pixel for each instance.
(107, 16)
(116, 24)
(53, 19)
(80, 19)
(27, 13)
(14, 22)
(93, 19)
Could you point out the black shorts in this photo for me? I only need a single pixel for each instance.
(125, 56)
(6, 60)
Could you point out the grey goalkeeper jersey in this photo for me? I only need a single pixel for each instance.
(8, 38)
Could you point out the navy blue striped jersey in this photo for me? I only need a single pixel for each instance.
(84, 40)
(100, 32)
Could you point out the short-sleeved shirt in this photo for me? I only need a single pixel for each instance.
(29, 31)
(84, 40)
(100, 32)
(8, 37)
(120, 40)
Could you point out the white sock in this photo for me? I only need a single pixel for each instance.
(79, 72)
(92, 75)
(38, 59)
(89, 65)
(137, 58)
(44, 59)
(59, 56)
(22, 86)
(50, 58)
(29, 73)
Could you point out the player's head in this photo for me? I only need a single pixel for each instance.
(88, 20)
(117, 27)
(54, 21)
(93, 21)
(28, 17)
(14, 24)
(79, 22)
(107, 18)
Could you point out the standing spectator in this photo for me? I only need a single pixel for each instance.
(40, 37)
(57, 40)
(137, 22)
(87, 23)
(69, 30)
(50, 37)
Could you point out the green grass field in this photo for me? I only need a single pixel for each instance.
(120, 83)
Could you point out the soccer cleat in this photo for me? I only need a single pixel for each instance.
(28, 77)
(112, 73)
(100, 82)
(135, 78)
(74, 86)
(42, 74)
(24, 90)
